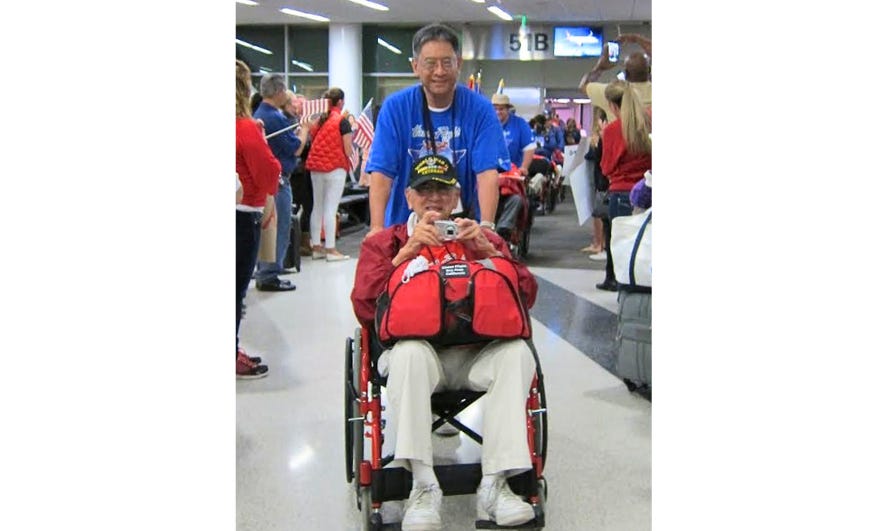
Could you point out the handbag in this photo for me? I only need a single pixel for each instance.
(631, 246)
(267, 247)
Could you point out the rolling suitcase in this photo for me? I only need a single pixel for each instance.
(633, 340)
(293, 257)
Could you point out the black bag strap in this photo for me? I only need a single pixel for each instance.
(637, 241)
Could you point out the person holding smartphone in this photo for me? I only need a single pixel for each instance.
(637, 71)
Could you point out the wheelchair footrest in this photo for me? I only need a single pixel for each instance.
(489, 524)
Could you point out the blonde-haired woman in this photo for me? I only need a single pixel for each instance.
(627, 155)
(328, 164)
(258, 172)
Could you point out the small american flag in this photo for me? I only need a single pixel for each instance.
(313, 108)
(365, 130)
(354, 160)
(362, 136)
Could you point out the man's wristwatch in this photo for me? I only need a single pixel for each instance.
(488, 224)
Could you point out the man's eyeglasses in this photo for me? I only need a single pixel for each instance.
(429, 65)
(433, 188)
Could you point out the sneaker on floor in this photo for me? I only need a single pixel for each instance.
(598, 257)
(496, 502)
(336, 257)
(253, 359)
(318, 255)
(422, 510)
(247, 370)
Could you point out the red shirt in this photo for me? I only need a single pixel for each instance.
(258, 168)
(374, 267)
(622, 169)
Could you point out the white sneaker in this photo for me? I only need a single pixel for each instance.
(423, 509)
(498, 503)
(336, 257)
(601, 256)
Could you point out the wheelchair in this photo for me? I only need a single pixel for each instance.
(363, 422)
(545, 199)
(512, 183)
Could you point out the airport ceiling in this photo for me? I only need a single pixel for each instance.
(423, 11)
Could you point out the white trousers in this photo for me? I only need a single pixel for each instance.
(328, 188)
(504, 369)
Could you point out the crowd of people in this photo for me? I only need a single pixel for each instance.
(446, 167)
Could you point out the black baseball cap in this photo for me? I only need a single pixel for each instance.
(432, 168)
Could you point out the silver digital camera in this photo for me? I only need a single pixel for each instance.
(446, 230)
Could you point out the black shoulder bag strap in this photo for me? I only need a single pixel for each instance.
(636, 247)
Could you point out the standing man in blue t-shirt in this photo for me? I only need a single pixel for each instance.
(518, 136)
(435, 116)
(286, 147)
(521, 146)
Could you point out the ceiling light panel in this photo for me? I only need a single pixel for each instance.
(254, 47)
(371, 5)
(497, 11)
(302, 14)
(388, 45)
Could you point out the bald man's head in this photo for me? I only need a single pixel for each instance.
(637, 68)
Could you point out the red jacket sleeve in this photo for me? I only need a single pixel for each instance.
(373, 269)
(257, 155)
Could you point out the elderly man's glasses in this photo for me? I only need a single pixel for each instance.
(429, 65)
(433, 188)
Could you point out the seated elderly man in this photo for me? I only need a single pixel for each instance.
(417, 368)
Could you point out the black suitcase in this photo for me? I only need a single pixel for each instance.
(293, 256)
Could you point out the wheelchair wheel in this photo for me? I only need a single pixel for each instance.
(551, 199)
(523, 248)
(541, 426)
(353, 429)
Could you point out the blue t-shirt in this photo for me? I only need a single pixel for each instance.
(546, 142)
(518, 136)
(470, 137)
(284, 145)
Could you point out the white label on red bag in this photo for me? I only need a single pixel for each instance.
(455, 271)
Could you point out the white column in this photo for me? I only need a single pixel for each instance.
(346, 63)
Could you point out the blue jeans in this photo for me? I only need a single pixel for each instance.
(283, 201)
(248, 234)
(619, 204)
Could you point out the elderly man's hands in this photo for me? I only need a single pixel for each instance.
(470, 234)
(424, 233)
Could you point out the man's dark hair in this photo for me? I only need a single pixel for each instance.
(434, 32)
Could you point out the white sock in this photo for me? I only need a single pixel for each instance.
(489, 479)
(422, 474)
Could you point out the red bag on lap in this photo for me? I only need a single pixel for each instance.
(455, 302)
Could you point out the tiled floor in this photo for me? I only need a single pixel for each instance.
(290, 455)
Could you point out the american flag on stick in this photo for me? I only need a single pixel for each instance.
(314, 108)
(365, 130)
(364, 134)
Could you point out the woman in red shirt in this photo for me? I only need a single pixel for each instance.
(258, 172)
(627, 155)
